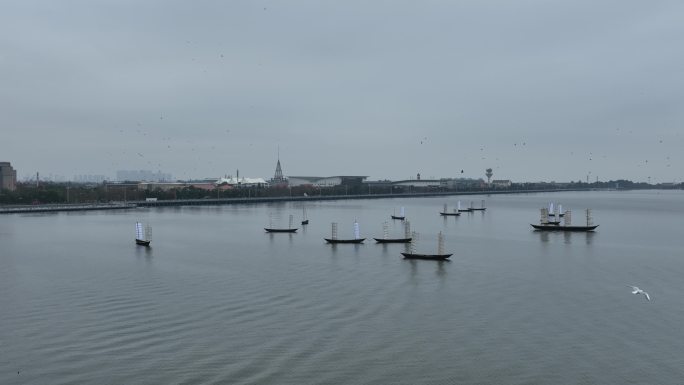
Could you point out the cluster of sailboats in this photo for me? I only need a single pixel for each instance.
(550, 220)
(408, 238)
(459, 209)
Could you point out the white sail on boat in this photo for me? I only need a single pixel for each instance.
(402, 214)
(143, 236)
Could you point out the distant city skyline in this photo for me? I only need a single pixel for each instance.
(535, 90)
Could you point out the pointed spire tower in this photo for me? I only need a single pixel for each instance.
(279, 172)
(278, 178)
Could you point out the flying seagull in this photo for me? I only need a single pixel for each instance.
(636, 290)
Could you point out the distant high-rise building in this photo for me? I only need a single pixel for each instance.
(8, 176)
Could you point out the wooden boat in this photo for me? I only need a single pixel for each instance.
(143, 238)
(446, 213)
(332, 240)
(401, 215)
(546, 225)
(564, 228)
(290, 229)
(481, 208)
(270, 230)
(437, 257)
(460, 210)
(440, 256)
(357, 238)
(387, 239)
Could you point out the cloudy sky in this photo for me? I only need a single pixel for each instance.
(535, 89)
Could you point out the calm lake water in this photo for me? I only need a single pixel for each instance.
(217, 300)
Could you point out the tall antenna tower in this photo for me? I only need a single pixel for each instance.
(489, 174)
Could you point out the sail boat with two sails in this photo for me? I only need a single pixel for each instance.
(385, 234)
(357, 235)
(446, 213)
(440, 256)
(289, 229)
(401, 216)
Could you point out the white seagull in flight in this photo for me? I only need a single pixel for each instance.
(636, 290)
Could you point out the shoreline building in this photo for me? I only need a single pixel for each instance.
(326, 181)
(8, 177)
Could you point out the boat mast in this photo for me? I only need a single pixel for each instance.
(411, 246)
(334, 230)
(440, 244)
(567, 218)
(357, 232)
(385, 231)
(544, 216)
(407, 229)
(290, 221)
(590, 221)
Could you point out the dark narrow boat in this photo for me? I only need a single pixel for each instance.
(353, 240)
(271, 230)
(393, 240)
(401, 215)
(450, 214)
(289, 229)
(437, 257)
(564, 228)
(481, 208)
(460, 210)
(141, 242)
(441, 255)
(446, 213)
(305, 222)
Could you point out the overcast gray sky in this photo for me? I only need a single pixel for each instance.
(537, 90)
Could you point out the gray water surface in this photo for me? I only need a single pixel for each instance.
(218, 300)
